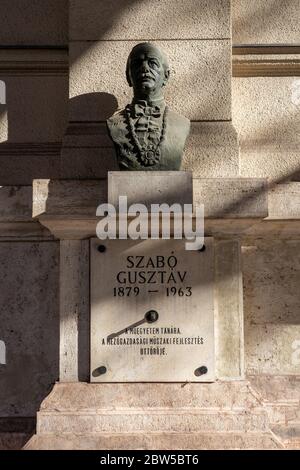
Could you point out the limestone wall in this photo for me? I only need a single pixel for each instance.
(266, 115)
(265, 21)
(34, 74)
(271, 276)
(29, 324)
(266, 87)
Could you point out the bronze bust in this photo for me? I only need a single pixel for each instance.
(147, 135)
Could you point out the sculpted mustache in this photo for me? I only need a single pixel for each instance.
(146, 75)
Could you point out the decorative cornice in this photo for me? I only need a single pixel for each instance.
(265, 68)
(34, 62)
(260, 49)
(30, 148)
(266, 61)
(248, 61)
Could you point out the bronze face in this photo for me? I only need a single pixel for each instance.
(147, 71)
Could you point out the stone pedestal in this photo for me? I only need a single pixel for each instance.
(153, 416)
(182, 415)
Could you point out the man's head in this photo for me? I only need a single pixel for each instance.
(147, 69)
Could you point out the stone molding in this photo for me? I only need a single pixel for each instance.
(265, 61)
(34, 61)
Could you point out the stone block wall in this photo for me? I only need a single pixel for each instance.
(34, 70)
(266, 87)
(271, 276)
(266, 115)
(60, 58)
(29, 324)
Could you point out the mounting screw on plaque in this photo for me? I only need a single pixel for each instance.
(151, 316)
(201, 371)
(203, 248)
(99, 371)
(101, 248)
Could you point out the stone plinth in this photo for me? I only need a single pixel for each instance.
(155, 187)
(153, 416)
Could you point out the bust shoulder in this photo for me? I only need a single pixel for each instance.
(116, 124)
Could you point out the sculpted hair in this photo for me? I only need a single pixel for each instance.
(146, 46)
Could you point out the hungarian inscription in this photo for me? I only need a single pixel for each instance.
(151, 311)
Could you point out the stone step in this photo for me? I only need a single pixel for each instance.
(150, 420)
(154, 441)
(107, 396)
(289, 435)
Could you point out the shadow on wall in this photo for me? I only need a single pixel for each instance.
(261, 18)
(29, 286)
(95, 107)
(87, 151)
(32, 123)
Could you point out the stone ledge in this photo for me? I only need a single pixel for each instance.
(155, 441)
(79, 396)
(222, 197)
(233, 207)
(153, 416)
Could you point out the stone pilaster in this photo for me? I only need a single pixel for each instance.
(229, 310)
(74, 310)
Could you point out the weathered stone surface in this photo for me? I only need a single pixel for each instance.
(158, 187)
(229, 310)
(272, 348)
(271, 280)
(284, 201)
(115, 415)
(34, 22)
(22, 231)
(157, 441)
(232, 197)
(36, 107)
(267, 118)
(199, 86)
(148, 421)
(20, 164)
(74, 310)
(15, 203)
(280, 395)
(13, 440)
(125, 396)
(211, 150)
(258, 403)
(116, 408)
(271, 302)
(265, 22)
(222, 198)
(29, 324)
(68, 197)
(166, 19)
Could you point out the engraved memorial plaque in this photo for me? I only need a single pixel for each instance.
(152, 311)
